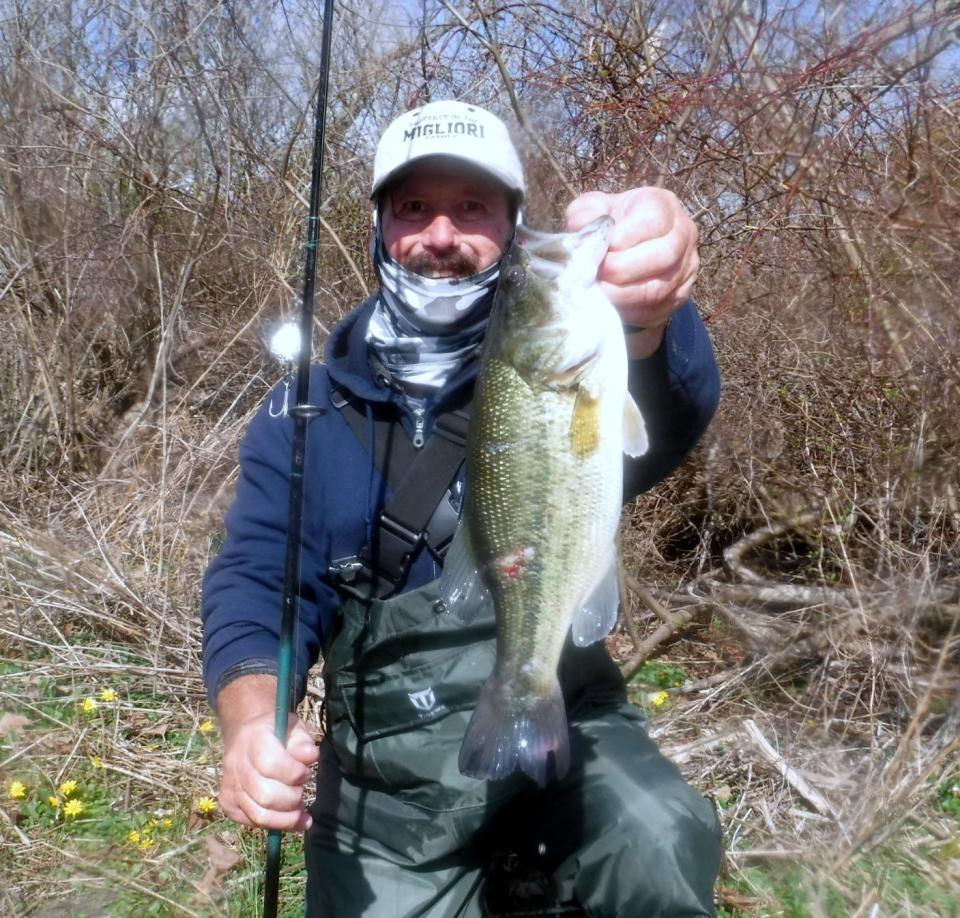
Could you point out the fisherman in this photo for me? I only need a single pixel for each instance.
(395, 829)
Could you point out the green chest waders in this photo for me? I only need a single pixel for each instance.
(398, 832)
(403, 675)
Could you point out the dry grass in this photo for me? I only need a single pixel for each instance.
(801, 571)
(815, 539)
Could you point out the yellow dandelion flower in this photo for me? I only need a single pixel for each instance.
(68, 787)
(205, 806)
(96, 761)
(134, 837)
(659, 699)
(108, 695)
(208, 726)
(17, 790)
(73, 808)
(88, 705)
(54, 802)
(166, 823)
(146, 843)
(153, 823)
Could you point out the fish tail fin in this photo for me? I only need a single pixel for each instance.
(501, 738)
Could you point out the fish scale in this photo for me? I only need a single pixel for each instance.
(534, 494)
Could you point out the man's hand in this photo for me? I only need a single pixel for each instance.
(652, 261)
(263, 780)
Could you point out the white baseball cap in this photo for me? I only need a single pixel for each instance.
(452, 129)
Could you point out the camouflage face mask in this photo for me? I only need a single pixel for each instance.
(424, 330)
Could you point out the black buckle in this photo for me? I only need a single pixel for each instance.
(395, 545)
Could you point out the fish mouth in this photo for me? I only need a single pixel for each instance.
(550, 253)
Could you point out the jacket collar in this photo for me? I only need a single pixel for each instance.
(348, 363)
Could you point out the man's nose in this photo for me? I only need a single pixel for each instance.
(441, 233)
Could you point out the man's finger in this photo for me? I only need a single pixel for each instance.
(585, 209)
(655, 258)
(274, 761)
(653, 300)
(298, 820)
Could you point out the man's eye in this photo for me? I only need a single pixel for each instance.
(410, 209)
(473, 208)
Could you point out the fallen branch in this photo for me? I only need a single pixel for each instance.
(665, 631)
(769, 593)
(766, 854)
(648, 599)
(733, 554)
(24, 839)
(790, 775)
(680, 753)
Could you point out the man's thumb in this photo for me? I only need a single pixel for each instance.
(300, 744)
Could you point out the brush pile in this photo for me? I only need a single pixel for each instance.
(793, 621)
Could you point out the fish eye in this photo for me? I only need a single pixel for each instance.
(516, 275)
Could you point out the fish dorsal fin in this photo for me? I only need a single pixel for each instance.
(635, 442)
(599, 613)
(461, 587)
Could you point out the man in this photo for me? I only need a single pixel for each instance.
(395, 829)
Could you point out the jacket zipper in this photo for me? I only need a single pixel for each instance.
(419, 422)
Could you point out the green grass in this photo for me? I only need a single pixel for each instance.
(898, 882)
(128, 829)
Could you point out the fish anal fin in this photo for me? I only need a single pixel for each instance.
(598, 615)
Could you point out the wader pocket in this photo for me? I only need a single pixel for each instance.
(402, 681)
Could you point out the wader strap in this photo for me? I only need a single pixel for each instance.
(419, 479)
(393, 451)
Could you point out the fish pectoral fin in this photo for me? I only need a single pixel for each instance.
(585, 424)
(461, 587)
(635, 442)
(595, 620)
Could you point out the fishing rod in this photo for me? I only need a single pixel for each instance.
(301, 412)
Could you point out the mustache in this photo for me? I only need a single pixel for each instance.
(455, 264)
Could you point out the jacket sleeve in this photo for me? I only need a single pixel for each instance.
(677, 390)
(243, 586)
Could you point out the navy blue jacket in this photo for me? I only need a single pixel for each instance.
(677, 391)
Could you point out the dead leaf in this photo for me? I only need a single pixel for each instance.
(59, 744)
(221, 861)
(736, 900)
(722, 794)
(10, 723)
(160, 730)
(220, 856)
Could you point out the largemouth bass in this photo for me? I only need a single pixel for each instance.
(550, 422)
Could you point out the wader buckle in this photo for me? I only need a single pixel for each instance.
(345, 569)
